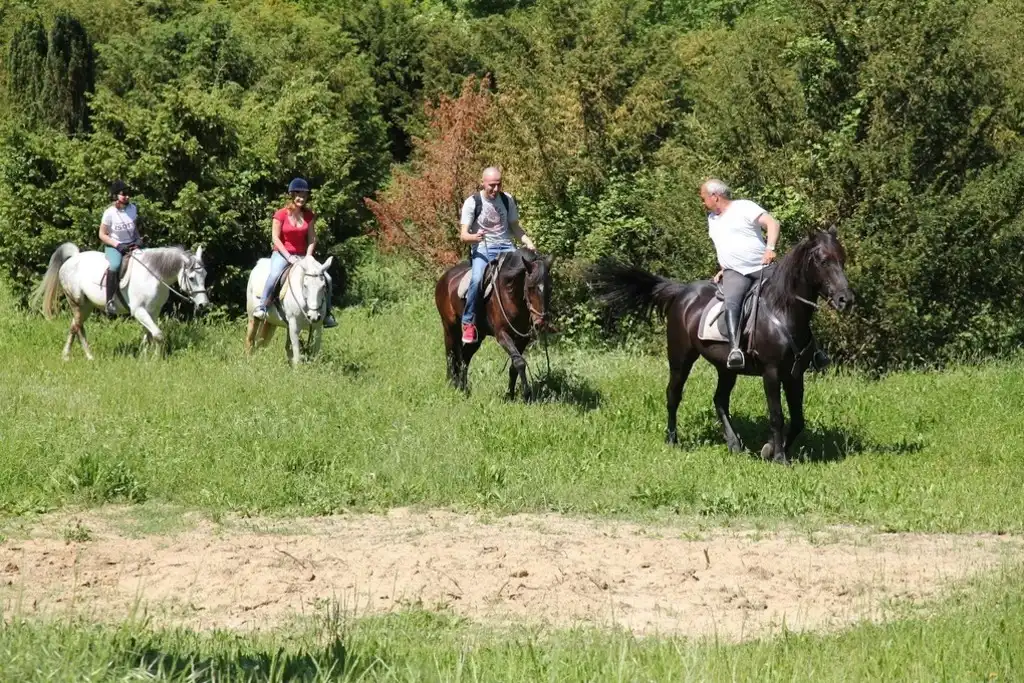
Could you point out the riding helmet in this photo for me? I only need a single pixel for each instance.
(117, 187)
(298, 185)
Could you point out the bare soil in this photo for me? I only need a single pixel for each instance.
(253, 574)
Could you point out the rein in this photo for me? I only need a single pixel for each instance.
(543, 336)
(812, 304)
(497, 294)
(172, 290)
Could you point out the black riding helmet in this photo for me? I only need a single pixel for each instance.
(117, 187)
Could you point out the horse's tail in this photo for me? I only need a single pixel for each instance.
(627, 289)
(47, 292)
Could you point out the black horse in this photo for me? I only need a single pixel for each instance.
(780, 330)
(512, 313)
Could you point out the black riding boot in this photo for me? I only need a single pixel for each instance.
(735, 360)
(113, 280)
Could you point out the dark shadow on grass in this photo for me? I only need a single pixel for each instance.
(562, 386)
(342, 362)
(331, 662)
(815, 444)
(178, 337)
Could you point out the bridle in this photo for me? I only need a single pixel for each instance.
(182, 279)
(306, 310)
(535, 315)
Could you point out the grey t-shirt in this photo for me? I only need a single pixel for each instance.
(493, 221)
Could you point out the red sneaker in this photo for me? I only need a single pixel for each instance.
(468, 333)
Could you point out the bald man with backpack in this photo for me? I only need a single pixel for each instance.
(489, 220)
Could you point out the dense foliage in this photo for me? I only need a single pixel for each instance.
(901, 121)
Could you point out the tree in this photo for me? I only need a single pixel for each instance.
(70, 75)
(26, 62)
(420, 209)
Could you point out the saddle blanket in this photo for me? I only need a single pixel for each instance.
(712, 323)
(464, 282)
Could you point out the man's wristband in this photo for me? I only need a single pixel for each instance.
(770, 247)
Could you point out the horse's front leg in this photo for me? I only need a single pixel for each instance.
(145, 318)
(794, 388)
(773, 393)
(518, 366)
(318, 336)
(293, 338)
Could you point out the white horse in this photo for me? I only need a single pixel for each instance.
(303, 299)
(145, 287)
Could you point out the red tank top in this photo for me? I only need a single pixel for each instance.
(294, 237)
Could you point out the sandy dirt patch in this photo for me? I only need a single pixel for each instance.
(248, 574)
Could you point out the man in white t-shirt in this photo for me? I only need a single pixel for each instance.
(735, 227)
(489, 219)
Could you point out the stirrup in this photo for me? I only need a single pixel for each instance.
(820, 360)
(110, 308)
(259, 312)
(735, 360)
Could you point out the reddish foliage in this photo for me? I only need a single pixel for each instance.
(418, 213)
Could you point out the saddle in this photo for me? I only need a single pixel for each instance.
(124, 273)
(712, 320)
(487, 281)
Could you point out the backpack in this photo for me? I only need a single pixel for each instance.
(478, 206)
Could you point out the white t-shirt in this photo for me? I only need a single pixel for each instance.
(737, 236)
(493, 221)
(121, 223)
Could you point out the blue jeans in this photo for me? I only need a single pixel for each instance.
(277, 265)
(482, 255)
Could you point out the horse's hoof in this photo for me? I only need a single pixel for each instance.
(766, 451)
(671, 438)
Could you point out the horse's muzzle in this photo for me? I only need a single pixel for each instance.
(201, 302)
(843, 301)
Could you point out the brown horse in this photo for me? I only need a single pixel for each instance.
(781, 330)
(511, 313)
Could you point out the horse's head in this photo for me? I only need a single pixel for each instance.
(537, 288)
(192, 278)
(826, 260)
(314, 286)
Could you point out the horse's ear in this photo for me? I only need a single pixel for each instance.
(549, 261)
(199, 252)
(327, 263)
(833, 230)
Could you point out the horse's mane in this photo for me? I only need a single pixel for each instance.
(517, 261)
(165, 261)
(791, 274)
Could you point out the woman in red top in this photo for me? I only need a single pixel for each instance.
(293, 236)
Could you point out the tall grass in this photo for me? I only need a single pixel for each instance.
(977, 635)
(372, 424)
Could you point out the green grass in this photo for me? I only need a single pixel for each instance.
(372, 425)
(976, 635)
